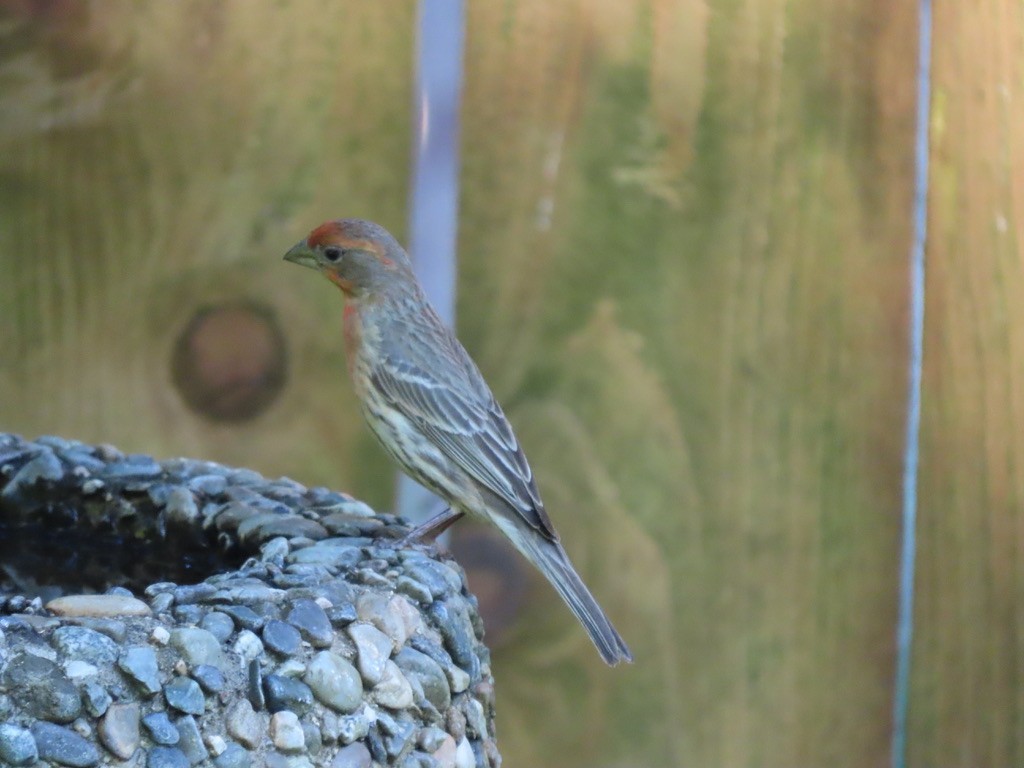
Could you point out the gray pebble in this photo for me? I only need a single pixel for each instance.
(451, 618)
(162, 602)
(455, 722)
(250, 593)
(401, 740)
(244, 616)
(372, 578)
(188, 613)
(119, 729)
(218, 624)
(373, 649)
(281, 638)
(376, 745)
(208, 485)
(95, 698)
(87, 644)
(139, 663)
(314, 743)
(433, 649)
(287, 525)
(286, 733)
(197, 646)
(291, 668)
(418, 759)
(244, 724)
(393, 690)
(180, 506)
(93, 485)
(235, 756)
(63, 746)
(78, 458)
(429, 674)
(45, 466)
(194, 593)
(458, 679)
(334, 681)
(329, 726)
(311, 621)
(254, 689)
(115, 629)
(342, 558)
(286, 693)
(158, 493)
(437, 577)
(352, 728)
(210, 678)
(185, 695)
(132, 467)
(476, 722)
(275, 551)
(190, 740)
(17, 747)
(167, 757)
(243, 476)
(342, 614)
(353, 756)
(158, 587)
(344, 525)
(42, 688)
(414, 589)
(381, 611)
(431, 738)
(160, 728)
(62, 444)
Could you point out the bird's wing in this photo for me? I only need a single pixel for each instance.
(453, 407)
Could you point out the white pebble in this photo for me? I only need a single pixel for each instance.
(215, 744)
(160, 636)
(464, 755)
(291, 668)
(286, 733)
(79, 670)
(248, 646)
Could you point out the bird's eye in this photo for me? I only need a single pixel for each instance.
(332, 254)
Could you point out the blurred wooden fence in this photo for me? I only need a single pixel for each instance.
(683, 268)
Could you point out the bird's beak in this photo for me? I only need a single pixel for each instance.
(302, 254)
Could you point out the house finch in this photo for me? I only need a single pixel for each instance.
(431, 409)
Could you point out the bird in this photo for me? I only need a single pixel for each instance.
(427, 403)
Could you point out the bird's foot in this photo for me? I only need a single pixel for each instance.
(427, 532)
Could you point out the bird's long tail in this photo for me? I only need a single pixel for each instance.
(553, 562)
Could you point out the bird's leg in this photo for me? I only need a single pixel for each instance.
(428, 531)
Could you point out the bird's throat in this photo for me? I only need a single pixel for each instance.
(353, 328)
(346, 286)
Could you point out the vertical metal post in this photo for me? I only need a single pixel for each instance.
(908, 547)
(434, 196)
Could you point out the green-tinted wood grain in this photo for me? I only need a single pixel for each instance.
(691, 291)
(192, 144)
(967, 706)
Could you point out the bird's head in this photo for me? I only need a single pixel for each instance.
(360, 257)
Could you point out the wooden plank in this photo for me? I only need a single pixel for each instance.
(968, 681)
(191, 144)
(687, 279)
